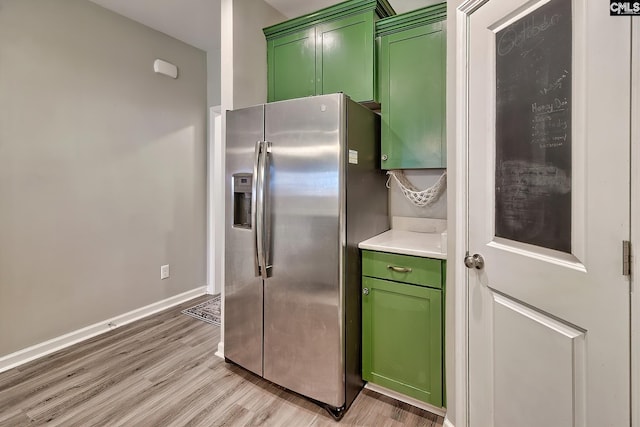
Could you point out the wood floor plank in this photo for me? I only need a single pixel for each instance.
(110, 375)
(13, 418)
(162, 371)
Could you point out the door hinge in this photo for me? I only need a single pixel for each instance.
(626, 258)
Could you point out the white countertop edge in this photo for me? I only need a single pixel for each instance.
(403, 251)
(426, 245)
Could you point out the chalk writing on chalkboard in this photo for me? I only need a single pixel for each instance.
(533, 128)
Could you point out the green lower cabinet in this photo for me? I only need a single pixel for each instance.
(402, 342)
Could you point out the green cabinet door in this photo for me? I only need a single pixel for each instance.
(327, 51)
(291, 65)
(402, 338)
(344, 57)
(412, 94)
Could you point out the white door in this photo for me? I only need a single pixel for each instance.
(548, 209)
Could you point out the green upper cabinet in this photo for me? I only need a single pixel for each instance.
(412, 88)
(328, 51)
(288, 81)
(344, 57)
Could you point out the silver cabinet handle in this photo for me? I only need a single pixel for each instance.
(399, 269)
(365, 291)
(474, 261)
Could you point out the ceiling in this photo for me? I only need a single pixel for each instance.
(197, 22)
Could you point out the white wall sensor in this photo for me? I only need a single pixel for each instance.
(166, 68)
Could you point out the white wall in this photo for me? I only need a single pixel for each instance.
(635, 219)
(102, 168)
(214, 99)
(454, 338)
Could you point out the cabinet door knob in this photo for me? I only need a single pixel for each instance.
(384, 157)
(474, 261)
(365, 291)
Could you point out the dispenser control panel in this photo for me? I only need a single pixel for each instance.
(242, 183)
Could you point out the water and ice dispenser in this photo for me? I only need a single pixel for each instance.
(242, 183)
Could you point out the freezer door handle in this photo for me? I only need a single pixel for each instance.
(262, 233)
(254, 204)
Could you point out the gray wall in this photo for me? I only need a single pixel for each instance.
(250, 51)
(102, 168)
(213, 78)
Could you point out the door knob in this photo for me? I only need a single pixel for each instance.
(474, 261)
(365, 291)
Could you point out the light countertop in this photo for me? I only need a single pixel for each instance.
(405, 242)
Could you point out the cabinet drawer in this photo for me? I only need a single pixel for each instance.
(402, 268)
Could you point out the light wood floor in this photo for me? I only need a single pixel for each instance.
(161, 371)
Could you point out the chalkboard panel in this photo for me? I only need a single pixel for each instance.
(533, 128)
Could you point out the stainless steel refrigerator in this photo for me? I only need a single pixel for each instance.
(302, 189)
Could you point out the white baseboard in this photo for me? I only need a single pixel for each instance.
(406, 399)
(447, 423)
(42, 349)
(220, 352)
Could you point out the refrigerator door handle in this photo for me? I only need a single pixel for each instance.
(255, 185)
(261, 232)
(265, 262)
(259, 208)
(261, 228)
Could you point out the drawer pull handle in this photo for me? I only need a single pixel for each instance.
(399, 269)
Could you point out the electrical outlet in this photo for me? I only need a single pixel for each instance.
(164, 271)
